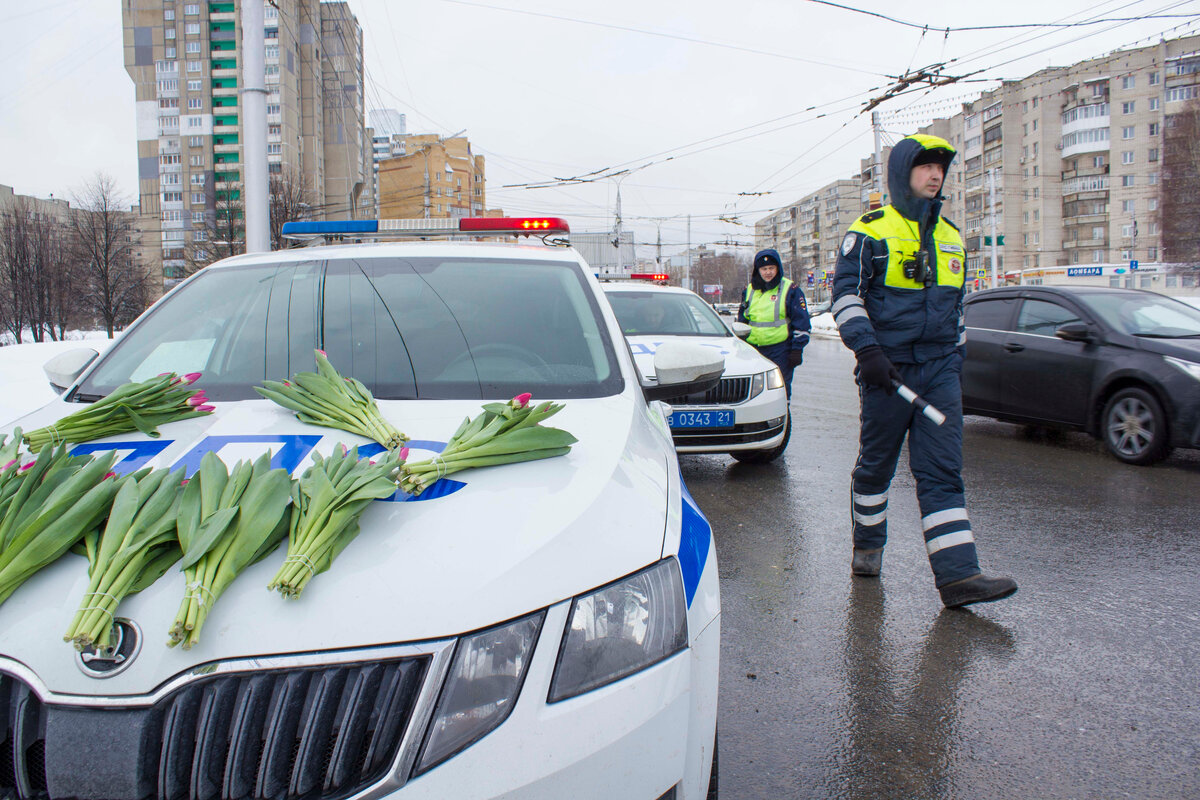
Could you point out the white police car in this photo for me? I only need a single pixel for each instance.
(746, 414)
(549, 629)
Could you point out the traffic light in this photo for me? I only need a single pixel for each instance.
(987, 240)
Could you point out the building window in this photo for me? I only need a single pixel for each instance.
(172, 197)
(1154, 104)
(191, 8)
(1127, 157)
(195, 122)
(272, 51)
(191, 47)
(196, 141)
(1152, 179)
(192, 29)
(1154, 79)
(1127, 108)
(195, 103)
(1127, 233)
(1153, 228)
(168, 67)
(196, 161)
(274, 168)
(1177, 93)
(197, 198)
(274, 130)
(193, 86)
(169, 34)
(274, 149)
(1152, 155)
(168, 14)
(272, 108)
(1098, 232)
(1127, 206)
(1152, 204)
(1097, 161)
(169, 102)
(1172, 281)
(197, 179)
(200, 235)
(1098, 89)
(194, 66)
(1127, 82)
(170, 52)
(1127, 180)
(1127, 132)
(1152, 253)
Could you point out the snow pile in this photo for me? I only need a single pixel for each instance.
(822, 325)
(21, 366)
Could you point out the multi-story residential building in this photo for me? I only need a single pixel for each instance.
(431, 176)
(185, 60)
(807, 232)
(388, 127)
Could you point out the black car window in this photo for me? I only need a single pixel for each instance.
(1043, 318)
(992, 314)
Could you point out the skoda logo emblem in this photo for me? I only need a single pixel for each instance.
(126, 641)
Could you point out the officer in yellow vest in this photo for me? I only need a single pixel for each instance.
(897, 302)
(775, 310)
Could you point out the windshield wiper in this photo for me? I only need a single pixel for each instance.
(80, 397)
(1168, 335)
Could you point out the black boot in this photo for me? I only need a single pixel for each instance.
(976, 589)
(867, 563)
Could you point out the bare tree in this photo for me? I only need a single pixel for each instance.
(111, 286)
(1179, 196)
(36, 273)
(223, 232)
(290, 200)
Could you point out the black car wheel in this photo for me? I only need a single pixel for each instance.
(1134, 427)
(765, 456)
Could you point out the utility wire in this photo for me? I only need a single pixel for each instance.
(1011, 26)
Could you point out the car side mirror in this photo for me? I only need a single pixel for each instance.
(683, 369)
(65, 368)
(740, 329)
(1074, 332)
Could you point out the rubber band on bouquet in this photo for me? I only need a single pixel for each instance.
(442, 469)
(194, 590)
(103, 609)
(304, 561)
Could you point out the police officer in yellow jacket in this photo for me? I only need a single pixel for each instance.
(897, 302)
(774, 308)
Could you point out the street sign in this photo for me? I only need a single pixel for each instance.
(810, 279)
(1079, 272)
(1133, 265)
(999, 240)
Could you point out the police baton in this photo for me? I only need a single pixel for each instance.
(920, 404)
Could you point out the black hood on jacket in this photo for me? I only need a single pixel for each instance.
(766, 257)
(900, 163)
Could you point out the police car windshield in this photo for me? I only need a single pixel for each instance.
(665, 313)
(429, 328)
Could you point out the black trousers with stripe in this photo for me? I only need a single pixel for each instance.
(934, 456)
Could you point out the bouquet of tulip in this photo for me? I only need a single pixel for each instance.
(131, 407)
(327, 398)
(138, 545)
(227, 521)
(46, 506)
(505, 433)
(329, 498)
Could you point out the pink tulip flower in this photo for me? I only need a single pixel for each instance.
(206, 409)
(9, 464)
(522, 400)
(28, 466)
(404, 454)
(191, 377)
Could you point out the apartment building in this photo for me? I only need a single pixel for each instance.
(807, 232)
(185, 60)
(388, 128)
(431, 176)
(1064, 165)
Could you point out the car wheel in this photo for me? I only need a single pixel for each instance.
(712, 777)
(1134, 427)
(765, 456)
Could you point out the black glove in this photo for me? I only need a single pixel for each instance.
(874, 368)
(796, 356)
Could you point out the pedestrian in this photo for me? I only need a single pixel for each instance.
(898, 304)
(777, 314)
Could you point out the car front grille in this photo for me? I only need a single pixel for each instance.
(304, 733)
(727, 392)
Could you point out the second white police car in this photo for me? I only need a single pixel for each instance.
(746, 414)
(536, 631)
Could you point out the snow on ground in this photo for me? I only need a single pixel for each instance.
(822, 325)
(22, 376)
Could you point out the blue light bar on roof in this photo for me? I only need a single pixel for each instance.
(329, 228)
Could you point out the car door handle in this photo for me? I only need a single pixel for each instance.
(1013, 347)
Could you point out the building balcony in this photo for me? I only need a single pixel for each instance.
(225, 91)
(226, 148)
(218, 129)
(223, 16)
(225, 73)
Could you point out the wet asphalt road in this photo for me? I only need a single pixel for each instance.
(1085, 684)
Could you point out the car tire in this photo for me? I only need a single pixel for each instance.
(1134, 427)
(766, 456)
(712, 776)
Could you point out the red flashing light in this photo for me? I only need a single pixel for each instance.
(514, 224)
(650, 276)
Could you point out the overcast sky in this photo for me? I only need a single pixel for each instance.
(705, 102)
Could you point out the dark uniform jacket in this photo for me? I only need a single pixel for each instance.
(878, 296)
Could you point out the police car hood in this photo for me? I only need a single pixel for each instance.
(491, 545)
(740, 358)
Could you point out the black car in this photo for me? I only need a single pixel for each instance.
(1120, 364)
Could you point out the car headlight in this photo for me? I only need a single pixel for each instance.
(775, 379)
(1190, 367)
(481, 687)
(620, 629)
(757, 382)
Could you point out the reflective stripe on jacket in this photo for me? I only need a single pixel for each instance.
(766, 315)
